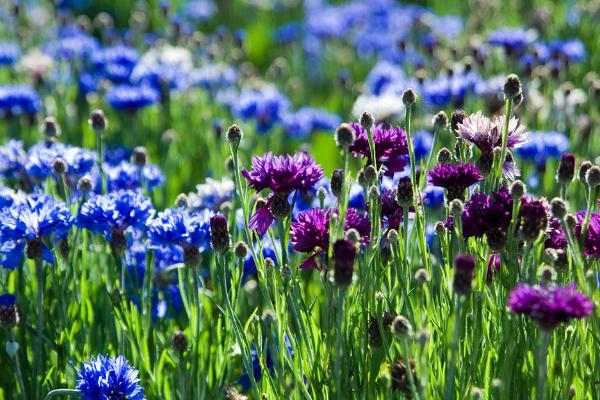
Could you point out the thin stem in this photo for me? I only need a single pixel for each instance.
(541, 363)
(63, 392)
(454, 348)
(509, 108)
(38, 353)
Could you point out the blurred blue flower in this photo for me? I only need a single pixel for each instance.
(41, 157)
(433, 196)
(18, 99)
(9, 53)
(265, 106)
(71, 45)
(573, 50)
(513, 40)
(127, 176)
(198, 10)
(131, 98)
(268, 251)
(214, 76)
(422, 142)
(211, 194)
(108, 378)
(300, 124)
(245, 380)
(287, 33)
(381, 75)
(13, 160)
(115, 62)
(543, 145)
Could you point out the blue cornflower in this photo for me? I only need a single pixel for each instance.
(211, 194)
(445, 90)
(164, 67)
(115, 62)
(543, 145)
(18, 99)
(270, 347)
(113, 213)
(268, 251)
(513, 40)
(306, 120)
(127, 176)
(287, 33)
(382, 75)
(356, 198)
(114, 155)
(12, 160)
(573, 50)
(266, 106)
(182, 228)
(34, 223)
(72, 45)
(214, 76)
(166, 296)
(433, 196)
(422, 142)
(198, 10)
(42, 156)
(8, 197)
(9, 53)
(131, 98)
(105, 378)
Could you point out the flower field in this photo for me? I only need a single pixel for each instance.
(287, 199)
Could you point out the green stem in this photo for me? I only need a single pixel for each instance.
(509, 107)
(454, 349)
(63, 392)
(38, 353)
(541, 363)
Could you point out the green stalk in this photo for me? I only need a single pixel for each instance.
(63, 392)
(509, 108)
(541, 364)
(38, 352)
(454, 349)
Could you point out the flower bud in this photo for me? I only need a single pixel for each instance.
(234, 135)
(219, 234)
(367, 120)
(464, 269)
(354, 236)
(558, 208)
(59, 166)
(84, 184)
(344, 136)
(583, 170)
(547, 274)
(593, 176)
(241, 250)
(401, 327)
(337, 182)
(512, 86)
(50, 128)
(370, 174)
(566, 168)
(392, 236)
(440, 121)
(182, 201)
(409, 97)
(421, 276)
(517, 189)
(139, 156)
(458, 116)
(444, 156)
(98, 121)
(179, 341)
(344, 252)
(404, 193)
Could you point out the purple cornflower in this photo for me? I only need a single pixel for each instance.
(282, 174)
(310, 232)
(486, 134)
(555, 236)
(455, 178)
(30, 226)
(219, 233)
(533, 218)
(109, 379)
(391, 147)
(549, 306)
(487, 214)
(113, 213)
(591, 242)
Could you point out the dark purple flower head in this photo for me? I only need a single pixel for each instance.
(391, 147)
(464, 271)
(591, 242)
(484, 214)
(455, 178)
(549, 306)
(555, 236)
(9, 315)
(310, 231)
(533, 218)
(219, 233)
(344, 253)
(391, 212)
(282, 174)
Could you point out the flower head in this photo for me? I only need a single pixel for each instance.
(18, 99)
(31, 224)
(591, 242)
(549, 306)
(391, 148)
(109, 379)
(310, 232)
(455, 178)
(113, 213)
(180, 227)
(281, 174)
(131, 98)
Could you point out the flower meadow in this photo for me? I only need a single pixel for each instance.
(313, 199)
